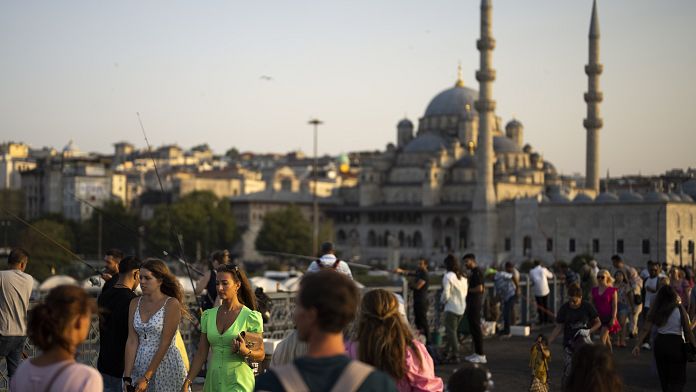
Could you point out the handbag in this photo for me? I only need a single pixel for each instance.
(689, 346)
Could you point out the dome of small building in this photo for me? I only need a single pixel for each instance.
(405, 123)
(549, 169)
(558, 197)
(543, 198)
(656, 196)
(582, 198)
(427, 142)
(514, 123)
(502, 144)
(607, 197)
(689, 187)
(686, 197)
(674, 197)
(452, 102)
(630, 196)
(467, 161)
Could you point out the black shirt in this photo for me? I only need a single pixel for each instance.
(320, 374)
(421, 295)
(575, 319)
(475, 279)
(110, 283)
(113, 329)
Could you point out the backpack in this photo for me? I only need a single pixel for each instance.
(264, 303)
(352, 377)
(333, 267)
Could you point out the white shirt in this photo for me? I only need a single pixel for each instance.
(76, 377)
(540, 276)
(327, 261)
(454, 293)
(650, 283)
(673, 326)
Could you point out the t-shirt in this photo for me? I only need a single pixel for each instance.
(504, 285)
(109, 284)
(454, 293)
(421, 295)
(15, 290)
(475, 280)
(575, 319)
(76, 378)
(320, 374)
(113, 329)
(328, 261)
(650, 283)
(540, 277)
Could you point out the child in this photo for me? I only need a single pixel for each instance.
(539, 363)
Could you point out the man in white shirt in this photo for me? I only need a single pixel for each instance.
(540, 278)
(329, 261)
(15, 290)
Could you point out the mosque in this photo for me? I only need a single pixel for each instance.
(462, 182)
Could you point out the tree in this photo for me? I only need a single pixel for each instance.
(204, 222)
(285, 231)
(44, 254)
(119, 229)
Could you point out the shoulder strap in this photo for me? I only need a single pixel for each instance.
(688, 333)
(290, 378)
(353, 377)
(335, 266)
(57, 373)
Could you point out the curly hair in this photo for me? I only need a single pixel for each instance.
(383, 336)
(170, 284)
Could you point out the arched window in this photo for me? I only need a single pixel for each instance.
(402, 239)
(464, 234)
(417, 240)
(371, 239)
(341, 237)
(527, 245)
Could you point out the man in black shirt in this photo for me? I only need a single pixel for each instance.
(112, 258)
(420, 285)
(113, 322)
(474, 300)
(326, 303)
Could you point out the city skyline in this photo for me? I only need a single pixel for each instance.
(80, 71)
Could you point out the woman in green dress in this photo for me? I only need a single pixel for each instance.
(221, 329)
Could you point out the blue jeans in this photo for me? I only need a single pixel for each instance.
(111, 383)
(508, 315)
(11, 348)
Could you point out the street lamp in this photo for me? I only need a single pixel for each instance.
(315, 122)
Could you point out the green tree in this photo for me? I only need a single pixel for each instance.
(119, 229)
(285, 231)
(203, 220)
(44, 254)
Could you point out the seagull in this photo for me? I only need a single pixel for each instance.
(266, 78)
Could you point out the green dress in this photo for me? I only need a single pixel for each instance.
(227, 372)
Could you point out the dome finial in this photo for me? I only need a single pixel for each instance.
(460, 78)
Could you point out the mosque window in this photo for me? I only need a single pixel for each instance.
(571, 245)
(549, 244)
(417, 240)
(619, 246)
(527, 245)
(341, 237)
(595, 245)
(508, 244)
(691, 247)
(677, 247)
(646, 247)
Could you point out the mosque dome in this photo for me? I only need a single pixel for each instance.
(607, 197)
(503, 144)
(455, 101)
(558, 197)
(405, 123)
(686, 197)
(514, 123)
(674, 197)
(466, 161)
(427, 142)
(689, 187)
(582, 198)
(656, 196)
(630, 196)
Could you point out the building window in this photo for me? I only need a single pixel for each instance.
(508, 244)
(549, 244)
(691, 247)
(677, 247)
(595, 245)
(646, 247)
(619, 246)
(571, 245)
(527, 245)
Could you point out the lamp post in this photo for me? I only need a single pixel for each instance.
(315, 122)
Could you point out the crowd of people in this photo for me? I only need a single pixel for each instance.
(342, 340)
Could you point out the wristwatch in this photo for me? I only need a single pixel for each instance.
(127, 379)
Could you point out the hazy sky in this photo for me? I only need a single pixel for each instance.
(82, 69)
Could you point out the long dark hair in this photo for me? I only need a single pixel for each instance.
(245, 294)
(593, 369)
(383, 336)
(49, 320)
(170, 284)
(452, 265)
(663, 305)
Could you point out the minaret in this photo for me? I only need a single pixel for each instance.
(593, 97)
(484, 202)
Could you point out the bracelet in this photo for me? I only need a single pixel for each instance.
(187, 381)
(147, 379)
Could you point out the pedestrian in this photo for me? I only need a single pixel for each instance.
(593, 370)
(578, 319)
(419, 284)
(207, 281)
(672, 325)
(606, 300)
(328, 260)
(474, 300)
(325, 305)
(15, 287)
(680, 285)
(625, 297)
(384, 340)
(112, 257)
(471, 377)
(588, 280)
(152, 360)
(539, 363)
(650, 285)
(113, 323)
(636, 283)
(223, 332)
(540, 276)
(506, 285)
(454, 289)
(57, 326)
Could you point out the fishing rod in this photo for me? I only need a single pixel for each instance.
(54, 242)
(350, 263)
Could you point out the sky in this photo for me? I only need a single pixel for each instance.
(81, 70)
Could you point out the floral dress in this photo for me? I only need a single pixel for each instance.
(171, 372)
(227, 371)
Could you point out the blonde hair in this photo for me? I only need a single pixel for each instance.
(608, 279)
